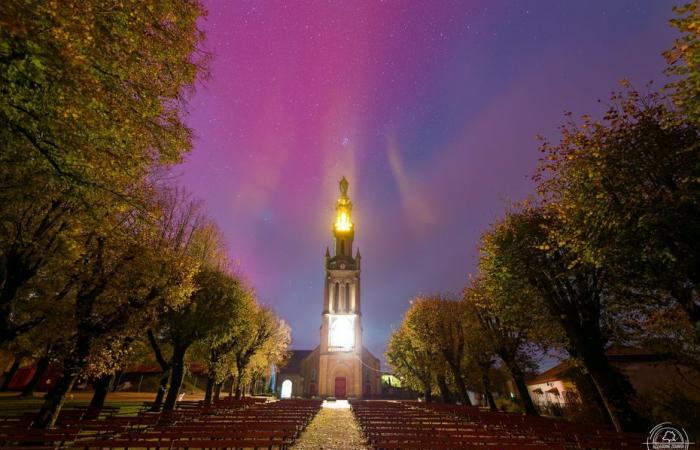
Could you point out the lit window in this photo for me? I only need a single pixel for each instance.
(342, 332)
(286, 389)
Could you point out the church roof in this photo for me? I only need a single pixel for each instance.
(295, 360)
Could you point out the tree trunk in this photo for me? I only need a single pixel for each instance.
(41, 366)
(519, 380)
(162, 388)
(117, 379)
(612, 389)
(209, 390)
(102, 387)
(217, 391)
(237, 388)
(17, 274)
(427, 392)
(10, 374)
(588, 345)
(230, 388)
(177, 375)
(486, 384)
(54, 399)
(461, 387)
(444, 389)
(594, 395)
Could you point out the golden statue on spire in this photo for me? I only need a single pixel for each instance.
(343, 209)
(343, 187)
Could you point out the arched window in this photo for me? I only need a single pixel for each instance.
(342, 333)
(286, 389)
(347, 297)
(336, 296)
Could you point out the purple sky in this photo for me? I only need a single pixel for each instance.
(429, 108)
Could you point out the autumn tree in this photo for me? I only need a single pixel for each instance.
(410, 362)
(38, 240)
(436, 323)
(451, 322)
(274, 351)
(507, 338)
(127, 273)
(625, 195)
(265, 333)
(573, 294)
(212, 309)
(91, 100)
(480, 351)
(216, 349)
(93, 94)
(186, 231)
(684, 60)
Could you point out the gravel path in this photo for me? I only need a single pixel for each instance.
(331, 429)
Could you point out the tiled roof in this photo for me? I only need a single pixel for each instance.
(558, 372)
(294, 363)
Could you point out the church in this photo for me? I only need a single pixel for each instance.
(340, 366)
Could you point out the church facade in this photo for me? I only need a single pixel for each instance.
(340, 366)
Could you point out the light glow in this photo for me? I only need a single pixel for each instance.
(342, 332)
(342, 221)
(286, 389)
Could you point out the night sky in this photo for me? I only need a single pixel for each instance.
(429, 108)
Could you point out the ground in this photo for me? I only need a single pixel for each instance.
(332, 429)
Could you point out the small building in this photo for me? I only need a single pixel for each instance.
(553, 385)
(649, 373)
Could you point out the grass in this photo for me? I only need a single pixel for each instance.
(127, 402)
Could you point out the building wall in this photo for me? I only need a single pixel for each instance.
(563, 387)
(649, 378)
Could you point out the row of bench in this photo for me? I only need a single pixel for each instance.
(411, 425)
(226, 424)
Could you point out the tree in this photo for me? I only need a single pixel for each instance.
(684, 60)
(274, 351)
(411, 363)
(517, 251)
(127, 273)
(435, 323)
(91, 99)
(37, 242)
(217, 349)
(212, 310)
(507, 339)
(480, 354)
(625, 195)
(92, 95)
(187, 231)
(442, 321)
(265, 332)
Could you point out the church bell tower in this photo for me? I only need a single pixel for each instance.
(340, 356)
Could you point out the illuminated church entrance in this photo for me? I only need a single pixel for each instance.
(340, 366)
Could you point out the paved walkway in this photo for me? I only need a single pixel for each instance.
(333, 428)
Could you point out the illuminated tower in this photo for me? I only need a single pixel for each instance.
(341, 351)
